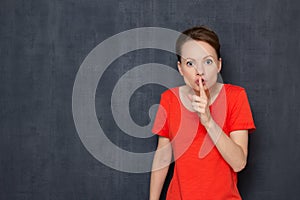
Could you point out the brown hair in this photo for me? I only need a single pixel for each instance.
(198, 33)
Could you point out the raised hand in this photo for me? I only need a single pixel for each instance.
(200, 103)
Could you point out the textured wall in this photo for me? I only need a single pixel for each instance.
(43, 43)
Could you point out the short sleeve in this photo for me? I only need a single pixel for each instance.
(160, 126)
(241, 116)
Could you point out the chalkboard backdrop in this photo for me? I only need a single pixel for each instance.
(44, 43)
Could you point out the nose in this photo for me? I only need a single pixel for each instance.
(199, 70)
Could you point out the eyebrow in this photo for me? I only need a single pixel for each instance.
(208, 56)
(196, 59)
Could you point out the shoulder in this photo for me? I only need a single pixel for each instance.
(170, 97)
(235, 94)
(171, 92)
(233, 91)
(233, 88)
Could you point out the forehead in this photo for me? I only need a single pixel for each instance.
(197, 49)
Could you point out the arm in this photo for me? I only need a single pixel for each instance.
(160, 167)
(234, 149)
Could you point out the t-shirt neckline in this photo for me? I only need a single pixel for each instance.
(193, 112)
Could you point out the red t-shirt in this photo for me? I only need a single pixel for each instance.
(209, 177)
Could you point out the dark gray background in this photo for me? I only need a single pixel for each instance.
(43, 43)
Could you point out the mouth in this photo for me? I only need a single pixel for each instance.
(198, 81)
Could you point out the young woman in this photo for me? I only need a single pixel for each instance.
(204, 124)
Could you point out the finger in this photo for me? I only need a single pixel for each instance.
(206, 91)
(196, 98)
(201, 88)
(198, 104)
(196, 91)
(200, 108)
(199, 100)
(190, 97)
(197, 109)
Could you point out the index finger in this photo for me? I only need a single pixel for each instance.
(201, 88)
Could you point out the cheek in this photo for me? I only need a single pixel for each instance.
(187, 80)
(188, 77)
(187, 74)
(212, 75)
(212, 71)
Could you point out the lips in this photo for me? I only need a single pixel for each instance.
(197, 81)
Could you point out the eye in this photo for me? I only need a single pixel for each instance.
(208, 61)
(189, 63)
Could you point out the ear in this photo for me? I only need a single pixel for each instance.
(179, 68)
(219, 65)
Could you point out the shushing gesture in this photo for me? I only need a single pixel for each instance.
(200, 103)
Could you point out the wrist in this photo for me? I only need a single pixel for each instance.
(209, 124)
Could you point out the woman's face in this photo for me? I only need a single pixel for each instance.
(199, 62)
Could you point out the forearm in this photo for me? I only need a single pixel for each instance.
(232, 153)
(159, 172)
(157, 181)
(161, 161)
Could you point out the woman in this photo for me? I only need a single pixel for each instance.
(204, 124)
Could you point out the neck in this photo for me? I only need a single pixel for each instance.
(211, 93)
(214, 90)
